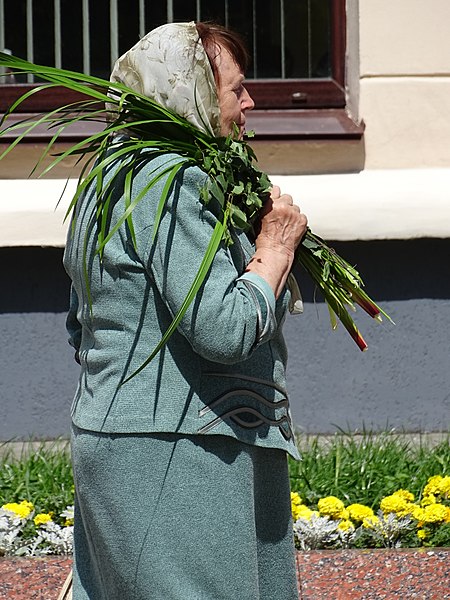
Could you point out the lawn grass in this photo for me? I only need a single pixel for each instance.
(40, 473)
(365, 468)
(355, 468)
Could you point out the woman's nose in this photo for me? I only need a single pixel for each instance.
(247, 101)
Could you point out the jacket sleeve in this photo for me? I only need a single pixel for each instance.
(232, 313)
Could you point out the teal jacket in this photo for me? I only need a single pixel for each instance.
(223, 370)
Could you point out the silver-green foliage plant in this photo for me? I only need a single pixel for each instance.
(316, 533)
(388, 530)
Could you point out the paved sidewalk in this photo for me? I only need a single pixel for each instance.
(374, 574)
(323, 575)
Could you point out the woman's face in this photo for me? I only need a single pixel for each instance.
(234, 100)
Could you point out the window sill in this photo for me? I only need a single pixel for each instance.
(323, 124)
(287, 142)
(300, 124)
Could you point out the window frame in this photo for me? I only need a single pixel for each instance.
(283, 107)
(309, 93)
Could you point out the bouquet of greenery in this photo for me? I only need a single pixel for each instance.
(234, 178)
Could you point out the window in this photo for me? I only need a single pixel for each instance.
(297, 46)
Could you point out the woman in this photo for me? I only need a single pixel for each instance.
(181, 480)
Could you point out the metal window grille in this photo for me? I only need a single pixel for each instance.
(288, 39)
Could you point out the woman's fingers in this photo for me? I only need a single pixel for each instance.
(282, 226)
(275, 192)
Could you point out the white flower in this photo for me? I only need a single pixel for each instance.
(11, 526)
(50, 539)
(68, 513)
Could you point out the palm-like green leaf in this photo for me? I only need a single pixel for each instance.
(234, 179)
(205, 265)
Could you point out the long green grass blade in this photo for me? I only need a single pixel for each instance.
(116, 153)
(28, 127)
(164, 194)
(22, 98)
(128, 211)
(197, 283)
(127, 194)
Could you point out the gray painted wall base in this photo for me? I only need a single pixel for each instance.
(402, 381)
(38, 376)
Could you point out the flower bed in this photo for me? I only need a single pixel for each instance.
(400, 520)
(351, 491)
(23, 532)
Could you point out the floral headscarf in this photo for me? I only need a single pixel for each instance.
(170, 65)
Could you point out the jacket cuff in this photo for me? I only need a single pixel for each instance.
(264, 300)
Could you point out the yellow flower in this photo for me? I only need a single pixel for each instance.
(345, 514)
(331, 506)
(435, 513)
(433, 485)
(422, 534)
(358, 512)
(438, 487)
(22, 509)
(305, 513)
(426, 500)
(396, 504)
(444, 487)
(419, 514)
(41, 519)
(405, 495)
(370, 522)
(296, 503)
(295, 498)
(345, 524)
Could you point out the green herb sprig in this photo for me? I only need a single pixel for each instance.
(234, 179)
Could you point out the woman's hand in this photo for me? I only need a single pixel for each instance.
(282, 227)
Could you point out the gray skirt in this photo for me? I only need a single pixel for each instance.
(171, 517)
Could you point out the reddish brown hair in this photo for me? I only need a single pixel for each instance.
(213, 35)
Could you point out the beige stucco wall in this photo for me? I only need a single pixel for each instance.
(404, 86)
(398, 82)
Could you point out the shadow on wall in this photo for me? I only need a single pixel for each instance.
(34, 280)
(395, 269)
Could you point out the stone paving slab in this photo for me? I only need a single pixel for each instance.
(323, 575)
(374, 574)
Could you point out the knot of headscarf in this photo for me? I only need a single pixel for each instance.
(170, 66)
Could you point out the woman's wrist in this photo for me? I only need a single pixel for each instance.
(273, 265)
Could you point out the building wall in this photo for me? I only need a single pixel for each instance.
(404, 73)
(384, 200)
(401, 381)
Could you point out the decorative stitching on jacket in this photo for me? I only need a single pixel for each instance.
(246, 392)
(233, 414)
(284, 423)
